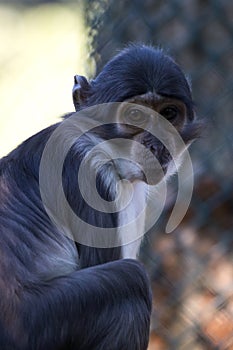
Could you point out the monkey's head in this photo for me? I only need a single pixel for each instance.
(154, 93)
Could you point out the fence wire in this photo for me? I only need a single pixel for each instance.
(192, 269)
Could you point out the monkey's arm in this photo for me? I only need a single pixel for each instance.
(102, 307)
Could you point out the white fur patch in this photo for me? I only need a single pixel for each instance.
(130, 214)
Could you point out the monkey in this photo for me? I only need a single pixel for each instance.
(56, 292)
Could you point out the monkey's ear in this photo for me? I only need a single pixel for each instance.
(80, 91)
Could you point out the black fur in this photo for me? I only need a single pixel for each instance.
(51, 294)
(137, 70)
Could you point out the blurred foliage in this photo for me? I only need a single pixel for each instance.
(42, 47)
(192, 269)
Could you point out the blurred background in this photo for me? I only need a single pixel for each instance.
(44, 43)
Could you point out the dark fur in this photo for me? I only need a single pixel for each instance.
(47, 301)
(135, 71)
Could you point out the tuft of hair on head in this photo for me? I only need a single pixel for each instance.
(139, 69)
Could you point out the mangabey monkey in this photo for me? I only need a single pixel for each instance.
(59, 294)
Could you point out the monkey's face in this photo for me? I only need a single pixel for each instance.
(156, 111)
(155, 126)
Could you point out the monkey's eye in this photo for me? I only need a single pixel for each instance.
(170, 112)
(135, 116)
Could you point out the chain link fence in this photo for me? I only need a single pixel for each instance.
(191, 269)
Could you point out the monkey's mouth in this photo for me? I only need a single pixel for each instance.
(149, 173)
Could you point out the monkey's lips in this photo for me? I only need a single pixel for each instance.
(132, 171)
